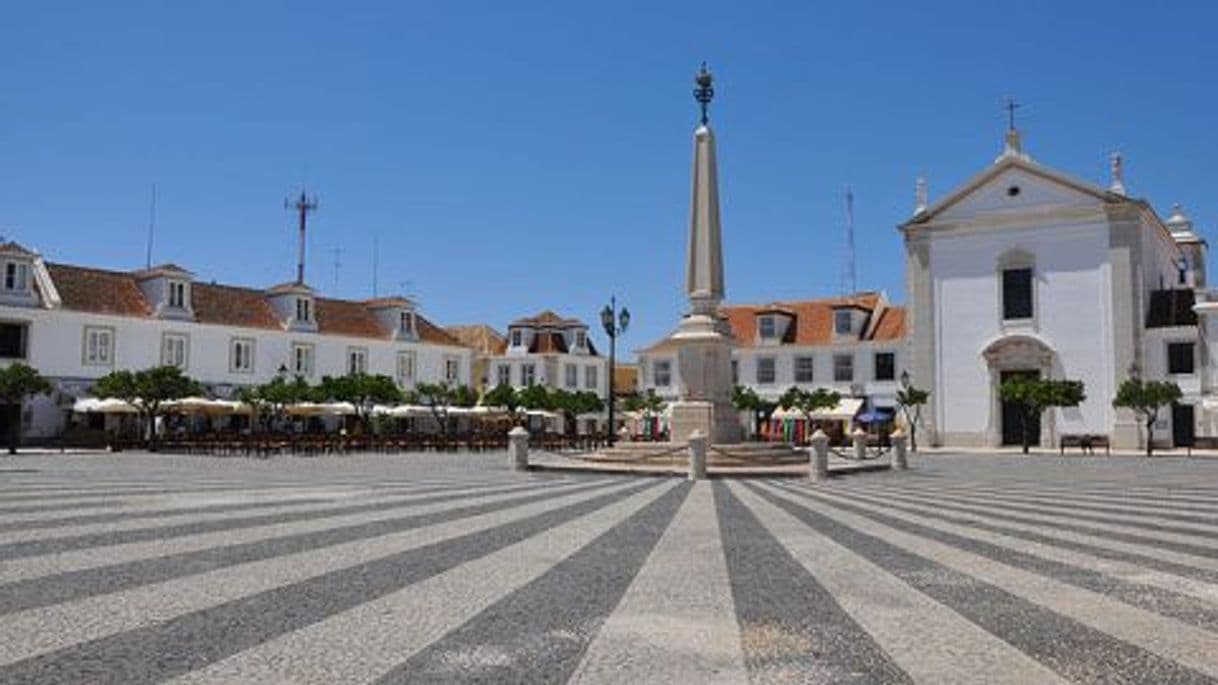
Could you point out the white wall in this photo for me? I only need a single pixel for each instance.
(1072, 315)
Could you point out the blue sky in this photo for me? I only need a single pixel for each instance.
(510, 157)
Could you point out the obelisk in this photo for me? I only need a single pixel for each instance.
(704, 341)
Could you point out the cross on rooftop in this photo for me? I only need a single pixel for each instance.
(1010, 107)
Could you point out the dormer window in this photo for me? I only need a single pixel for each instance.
(843, 322)
(767, 328)
(517, 337)
(304, 310)
(177, 294)
(16, 277)
(581, 339)
(406, 323)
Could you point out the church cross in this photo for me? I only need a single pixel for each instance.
(1011, 106)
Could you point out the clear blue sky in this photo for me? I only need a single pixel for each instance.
(514, 156)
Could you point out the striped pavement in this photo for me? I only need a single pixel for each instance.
(138, 569)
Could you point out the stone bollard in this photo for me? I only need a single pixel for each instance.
(697, 455)
(518, 449)
(900, 460)
(859, 437)
(818, 469)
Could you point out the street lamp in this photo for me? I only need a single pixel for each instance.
(614, 323)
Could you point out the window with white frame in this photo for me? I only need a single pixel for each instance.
(503, 374)
(406, 323)
(302, 359)
(843, 368)
(843, 322)
(241, 355)
(767, 328)
(1017, 300)
(591, 380)
(766, 373)
(177, 294)
(304, 309)
(517, 337)
(98, 346)
(885, 366)
(16, 277)
(581, 339)
(571, 373)
(661, 373)
(528, 374)
(405, 368)
(174, 348)
(804, 372)
(357, 360)
(452, 370)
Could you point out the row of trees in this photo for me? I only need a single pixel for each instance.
(150, 390)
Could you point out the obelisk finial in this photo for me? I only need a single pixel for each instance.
(705, 91)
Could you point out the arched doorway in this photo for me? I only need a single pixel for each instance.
(1016, 354)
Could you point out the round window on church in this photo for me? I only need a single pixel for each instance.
(1012, 191)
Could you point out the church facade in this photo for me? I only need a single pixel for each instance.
(1024, 270)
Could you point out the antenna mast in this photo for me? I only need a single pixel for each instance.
(338, 264)
(303, 205)
(376, 260)
(849, 275)
(151, 228)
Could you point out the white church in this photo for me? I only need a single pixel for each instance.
(1026, 270)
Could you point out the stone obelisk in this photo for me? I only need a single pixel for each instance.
(704, 341)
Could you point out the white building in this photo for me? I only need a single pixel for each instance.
(549, 350)
(854, 345)
(75, 324)
(1025, 270)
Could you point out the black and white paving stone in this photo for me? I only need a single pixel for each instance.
(451, 568)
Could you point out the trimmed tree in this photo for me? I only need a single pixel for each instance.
(275, 396)
(572, 404)
(17, 382)
(364, 391)
(1034, 395)
(808, 402)
(911, 400)
(1146, 398)
(761, 409)
(148, 391)
(439, 398)
(505, 396)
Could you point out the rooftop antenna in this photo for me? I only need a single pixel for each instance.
(303, 205)
(849, 276)
(376, 261)
(338, 264)
(151, 228)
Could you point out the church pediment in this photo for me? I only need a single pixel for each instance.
(1013, 186)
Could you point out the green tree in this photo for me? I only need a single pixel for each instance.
(1034, 395)
(271, 399)
(440, 397)
(536, 398)
(363, 391)
(505, 396)
(17, 382)
(910, 400)
(761, 409)
(1146, 398)
(148, 391)
(572, 404)
(808, 402)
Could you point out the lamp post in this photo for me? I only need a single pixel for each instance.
(614, 322)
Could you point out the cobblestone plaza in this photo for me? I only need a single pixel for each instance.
(442, 568)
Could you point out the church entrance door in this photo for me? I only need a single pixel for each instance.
(1012, 417)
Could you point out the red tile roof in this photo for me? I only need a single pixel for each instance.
(97, 290)
(116, 292)
(480, 337)
(813, 320)
(547, 318)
